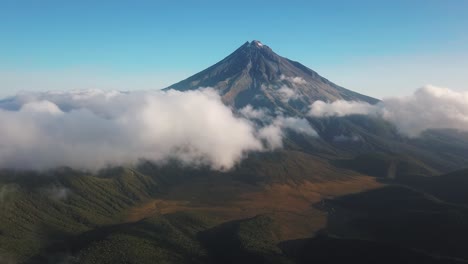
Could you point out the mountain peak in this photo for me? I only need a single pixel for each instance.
(255, 46)
(257, 43)
(252, 47)
(254, 43)
(255, 75)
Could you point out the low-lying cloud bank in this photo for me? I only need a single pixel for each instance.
(273, 133)
(274, 126)
(429, 107)
(94, 129)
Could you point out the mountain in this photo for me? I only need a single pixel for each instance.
(254, 74)
(360, 192)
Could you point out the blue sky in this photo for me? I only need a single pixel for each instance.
(380, 48)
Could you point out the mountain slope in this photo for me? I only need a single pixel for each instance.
(254, 74)
(449, 187)
(401, 216)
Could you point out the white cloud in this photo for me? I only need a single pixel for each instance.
(429, 107)
(294, 80)
(298, 125)
(273, 127)
(94, 129)
(41, 107)
(274, 132)
(272, 135)
(285, 94)
(341, 108)
(255, 114)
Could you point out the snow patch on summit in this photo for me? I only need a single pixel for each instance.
(257, 43)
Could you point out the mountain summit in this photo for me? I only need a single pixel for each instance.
(254, 74)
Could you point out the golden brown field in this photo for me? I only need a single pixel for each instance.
(291, 205)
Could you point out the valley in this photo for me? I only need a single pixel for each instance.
(290, 205)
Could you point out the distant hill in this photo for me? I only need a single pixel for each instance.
(401, 216)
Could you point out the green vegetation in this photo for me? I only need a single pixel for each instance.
(67, 215)
(251, 240)
(161, 239)
(38, 210)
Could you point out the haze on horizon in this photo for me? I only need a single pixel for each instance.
(375, 48)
